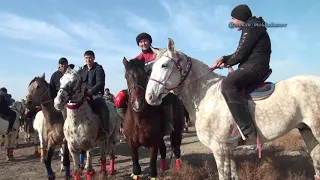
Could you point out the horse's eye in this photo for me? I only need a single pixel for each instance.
(164, 65)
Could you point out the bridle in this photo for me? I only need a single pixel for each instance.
(183, 74)
(133, 87)
(71, 91)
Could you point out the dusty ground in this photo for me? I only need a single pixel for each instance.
(281, 160)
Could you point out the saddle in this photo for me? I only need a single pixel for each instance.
(259, 90)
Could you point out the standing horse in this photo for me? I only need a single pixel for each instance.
(82, 125)
(52, 134)
(18, 108)
(276, 108)
(142, 122)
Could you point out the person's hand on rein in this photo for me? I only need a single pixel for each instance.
(218, 63)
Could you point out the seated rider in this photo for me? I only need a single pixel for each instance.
(94, 78)
(253, 57)
(144, 41)
(5, 110)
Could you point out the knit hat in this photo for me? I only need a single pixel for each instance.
(241, 12)
(143, 36)
(63, 60)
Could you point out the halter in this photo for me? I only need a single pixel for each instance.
(132, 87)
(183, 74)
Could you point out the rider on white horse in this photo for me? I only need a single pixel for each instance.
(94, 78)
(144, 41)
(253, 56)
(5, 110)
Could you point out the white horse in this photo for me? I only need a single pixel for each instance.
(82, 125)
(295, 103)
(11, 136)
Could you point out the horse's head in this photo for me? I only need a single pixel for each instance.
(168, 72)
(37, 90)
(137, 79)
(18, 106)
(71, 89)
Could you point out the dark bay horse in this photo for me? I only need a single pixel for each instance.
(143, 124)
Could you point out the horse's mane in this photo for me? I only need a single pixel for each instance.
(136, 66)
(36, 79)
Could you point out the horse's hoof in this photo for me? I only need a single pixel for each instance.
(151, 178)
(82, 166)
(2, 144)
(90, 174)
(68, 178)
(52, 177)
(102, 176)
(10, 158)
(112, 172)
(136, 177)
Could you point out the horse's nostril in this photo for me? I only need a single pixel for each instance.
(29, 102)
(149, 97)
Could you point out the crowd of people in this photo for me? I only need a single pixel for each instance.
(252, 55)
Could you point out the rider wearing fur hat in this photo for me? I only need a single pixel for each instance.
(253, 57)
(144, 41)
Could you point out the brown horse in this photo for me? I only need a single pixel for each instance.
(143, 124)
(53, 136)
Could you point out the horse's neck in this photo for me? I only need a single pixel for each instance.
(199, 81)
(48, 109)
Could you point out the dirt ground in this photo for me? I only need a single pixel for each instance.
(283, 162)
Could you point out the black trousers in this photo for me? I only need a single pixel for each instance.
(243, 77)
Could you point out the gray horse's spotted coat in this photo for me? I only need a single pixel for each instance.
(82, 125)
(295, 103)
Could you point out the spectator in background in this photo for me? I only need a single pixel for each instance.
(108, 96)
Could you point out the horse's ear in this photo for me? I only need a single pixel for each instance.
(170, 45)
(125, 61)
(43, 76)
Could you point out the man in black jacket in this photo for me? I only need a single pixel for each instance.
(94, 78)
(55, 78)
(5, 110)
(253, 57)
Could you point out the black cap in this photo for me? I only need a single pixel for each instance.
(89, 53)
(3, 89)
(241, 12)
(143, 36)
(63, 60)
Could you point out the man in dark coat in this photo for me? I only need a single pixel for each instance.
(5, 110)
(94, 78)
(55, 78)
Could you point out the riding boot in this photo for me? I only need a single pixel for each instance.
(168, 118)
(103, 112)
(241, 114)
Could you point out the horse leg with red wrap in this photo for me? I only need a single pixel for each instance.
(163, 154)
(175, 139)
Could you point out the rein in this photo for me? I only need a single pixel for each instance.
(183, 75)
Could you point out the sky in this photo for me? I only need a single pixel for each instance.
(35, 34)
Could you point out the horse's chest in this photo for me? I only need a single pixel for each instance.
(81, 130)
